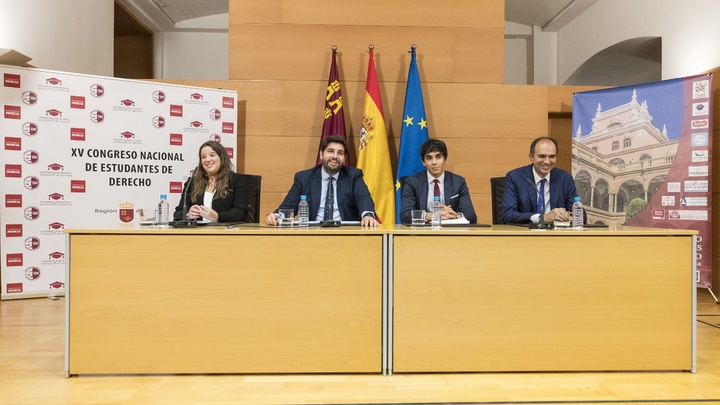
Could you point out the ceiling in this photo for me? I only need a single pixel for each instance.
(211, 15)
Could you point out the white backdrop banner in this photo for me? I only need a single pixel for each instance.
(88, 151)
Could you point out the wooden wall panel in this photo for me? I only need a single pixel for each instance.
(407, 13)
(560, 97)
(302, 52)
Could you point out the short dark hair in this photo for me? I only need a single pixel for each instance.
(540, 139)
(433, 145)
(333, 139)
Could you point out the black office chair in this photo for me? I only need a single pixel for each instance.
(497, 189)
(254, 183)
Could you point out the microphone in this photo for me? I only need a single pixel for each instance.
(541, 224)
(184, 222)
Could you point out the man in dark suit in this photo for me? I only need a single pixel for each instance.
(538, 188)
(420, 189)
(334, 191)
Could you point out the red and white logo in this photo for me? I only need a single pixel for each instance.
(216, 138)
(29, 97)
(175, 187)
(56, 196)
(97, 90)
(228, 102)
(196, 96)
(127, 135)
(97, 116)
(57, 285)
(77, 186)
(12, 143)
(196, 124)
(31, 213)
(158, 96)
(77, 102)
(231, 152)
(77, 134)
(54, 113)
(14, 288)
(32, 273)
(56, 255)
(228, 127)
(31, 182)
(54, 81)
(13, 170)
(55, 167)
(158, 121)
(13, 231)
(13, 200)
(31, 157)
(176, 110)
(176, 139)
(127, 103)
(56, 226)
(30, 129)
(12, 112)
(14, 259)
(32, 243)
(11, 80)
(215, 114)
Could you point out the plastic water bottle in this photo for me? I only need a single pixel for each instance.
(303, 211)
(577, 214)
(436, 214)
(163, 211)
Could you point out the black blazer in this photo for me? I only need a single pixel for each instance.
(353, 196)
(231, 208)
(415, 192)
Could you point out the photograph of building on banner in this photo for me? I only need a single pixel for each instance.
(642, 157)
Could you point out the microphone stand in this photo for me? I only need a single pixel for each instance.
(184, 222)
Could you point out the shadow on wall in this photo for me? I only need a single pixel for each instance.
(637, 60)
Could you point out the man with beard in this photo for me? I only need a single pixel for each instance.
(334, 191)
(538, 188)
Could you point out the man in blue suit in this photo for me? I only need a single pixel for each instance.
(331, 180)
(539, 188)
(420, 189)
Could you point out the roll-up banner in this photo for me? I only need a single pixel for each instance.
(86, 151)
(642, 156)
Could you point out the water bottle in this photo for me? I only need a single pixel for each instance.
(577, 214)
(163, 211)
(436, 214)
(303, 211)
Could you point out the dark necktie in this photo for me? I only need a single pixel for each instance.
(437, 188)
(541, 198)
(329, 201)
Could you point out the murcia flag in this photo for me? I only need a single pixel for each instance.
(334, 115)
(373, 152)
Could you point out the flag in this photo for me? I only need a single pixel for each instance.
(413, 132)
(373, 151)
(334, 116)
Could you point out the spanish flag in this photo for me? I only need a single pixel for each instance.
(373, 151)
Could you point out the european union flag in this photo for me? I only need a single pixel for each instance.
(413, 134)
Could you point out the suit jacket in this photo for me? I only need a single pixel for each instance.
(415, 192)
(353, 196)
(520, 196)
(231, 208)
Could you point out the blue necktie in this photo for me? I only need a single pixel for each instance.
(541, 198)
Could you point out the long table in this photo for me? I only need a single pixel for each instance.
(215, 300)
(253, 299)
(511, 299)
